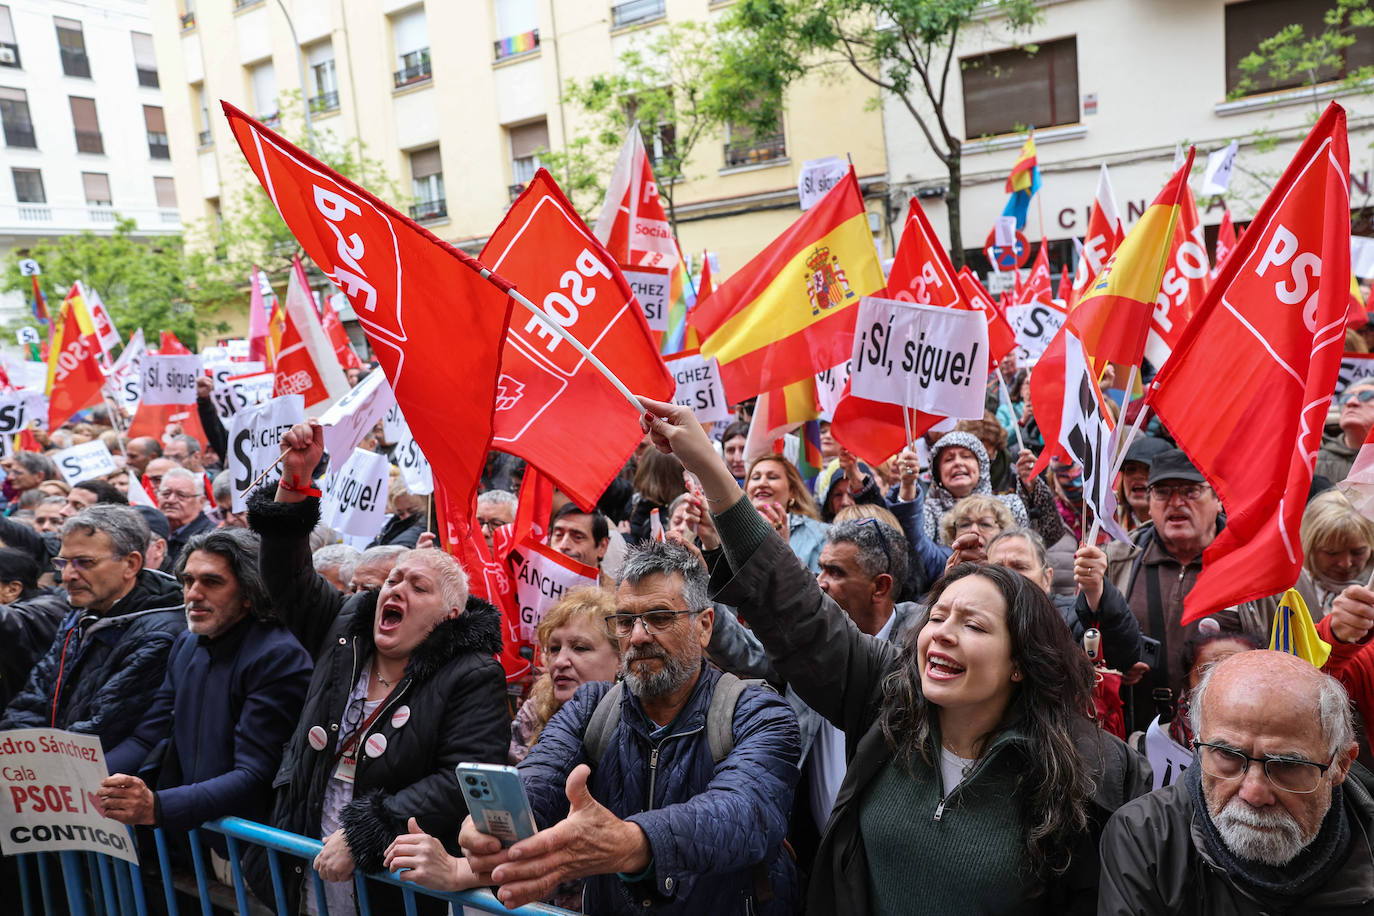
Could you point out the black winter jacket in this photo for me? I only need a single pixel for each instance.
(26, 630)
(111, 665)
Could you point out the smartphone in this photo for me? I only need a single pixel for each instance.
(1149, 653)
(497, 801)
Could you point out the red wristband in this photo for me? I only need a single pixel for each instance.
(306, 490)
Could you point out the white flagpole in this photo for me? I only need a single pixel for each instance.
(1006, 396)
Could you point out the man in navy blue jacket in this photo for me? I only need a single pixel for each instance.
(212, 739)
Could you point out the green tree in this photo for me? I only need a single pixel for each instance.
(902, 47)
(1292, 57)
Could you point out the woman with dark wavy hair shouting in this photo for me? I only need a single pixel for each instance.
(976, 781)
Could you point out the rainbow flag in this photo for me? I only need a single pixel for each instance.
(680, 336)
(40, 304)
(517, 44)
(811, 461)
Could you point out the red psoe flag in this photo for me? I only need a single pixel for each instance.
(1247, 388)
(1226, 241)
(74, 374)
(1104, 236)
(549, 392)
(434, 322)
(1186, 279)
(338, 337)
(169, 344)
(306, 364)
(1001, 337)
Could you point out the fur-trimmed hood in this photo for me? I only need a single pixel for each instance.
(265, 514)
(477, 629)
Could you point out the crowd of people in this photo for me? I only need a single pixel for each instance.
(910, 687)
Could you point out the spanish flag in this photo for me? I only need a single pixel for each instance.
(1293, 631)
(1112, 318)
(789, 313)
(74, 374)
(1021, 170)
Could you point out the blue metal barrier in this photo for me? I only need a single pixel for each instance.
(100, 885)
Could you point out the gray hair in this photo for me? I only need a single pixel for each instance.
(1333, 708)
(53, 501)
(222, 486)
(382, 553)
(666, 558)
(1029, 535)
(497, 498)
(35, 463)
(192, 446)
(336, 556)
(240, 548)
(184, 474)
(878, 550)
(126, 529)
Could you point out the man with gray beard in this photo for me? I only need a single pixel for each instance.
(1273, 816)
(664, 816)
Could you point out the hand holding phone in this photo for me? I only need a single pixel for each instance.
(497, 802)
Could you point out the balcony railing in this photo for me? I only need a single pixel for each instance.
(188, 20)
(752, 150)
(515, 191)
(635, 11)
(157, 146)
(75, 63)
(20, 135)
(101, 213)
(271, 119)
(515, 45)
(35, 213)
(9, 54)
(415, 70)
(205, 138)
(147, 76)
(325, 101)
(428, 209)
(88, 141)
(170, 215)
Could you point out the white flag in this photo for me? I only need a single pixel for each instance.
(1217, 178)
(1085, 432)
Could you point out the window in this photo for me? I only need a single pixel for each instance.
(97, 185)
(410, 36)
(517, 25)
(427, 185)
(264, 80)
(750, 145)
(632, 12)
(1007, 91)
(157, 132)
(9, 48)
(14, 109)
(87, 126)
(1247, 24)
(144, 59)
(188, 14)
(526, 143)
(205, 137)
(660, 140)
(166, 191)
(71, 45)
(319, 61)
(28, 186)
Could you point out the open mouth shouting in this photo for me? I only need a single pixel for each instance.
(940, 667)
(390, 616)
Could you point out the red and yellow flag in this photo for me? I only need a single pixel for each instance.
(1020, 178)
(789, 313)
(74, 374)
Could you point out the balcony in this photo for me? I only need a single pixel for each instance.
(205, 138)
(157, 146)
(415, 69)
(101, 212)
(425, 210)
(634, 12)
(9, 55)
(515, 191)
(516, 45)
(147, 77)
(188, 20)
(75, 63)
(35, 213)
(325, 101)
(754, 150)
(271, 119)
(20, 135)
(170, 215)
(88, 141)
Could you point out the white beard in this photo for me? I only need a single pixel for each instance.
(1268, 835)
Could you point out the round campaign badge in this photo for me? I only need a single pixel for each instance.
(400, 717)
(318, 737)
(376, 745)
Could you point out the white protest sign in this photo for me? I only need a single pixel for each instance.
(126, 377)
(830, 386)
(699, 386)
(26, 335)
(652, 286)
(415, 469)
(18, 408)
(1167, 757)
(49, 780)
(1355, 368)
(240, 391)
(221, 372)
(1362, 257)
(169, 379)
(1217, 178)
(237, 347)
(213, 356)
(255, 441)
(27, 374)
(927, 357)
(1034, 326)
(817, 177)
(354, 500)
(542, 575)
(1085, 434)
(394, 425)
(84, 461)
(105, 330)
(352, 416)
(28, 267)
(1004, 233)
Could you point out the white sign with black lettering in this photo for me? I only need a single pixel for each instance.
(354, 500)
(49, 779)
(351, 417)
(85, 461)
(923, 356)
(1355, 367)
(817, 177)
(415, 469)
(19, 408)
(237, 392)
(830, 386)
(1034, 325)
(699, 386)
(26, 335)
(169, 379)
(237, 347)
(255, 441)
(126, 377)
(394, 425)
(652, 286)
(542, 575)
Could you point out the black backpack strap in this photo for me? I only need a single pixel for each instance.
(596, 738)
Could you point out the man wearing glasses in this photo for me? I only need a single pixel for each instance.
(661, 820)
(181, 497)
(1270, 818)
(110, 653)
(1338, 451)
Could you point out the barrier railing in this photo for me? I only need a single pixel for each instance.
(100, 885)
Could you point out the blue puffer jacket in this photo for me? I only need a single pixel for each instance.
(708, 826)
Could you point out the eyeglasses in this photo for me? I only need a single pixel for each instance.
(1189, 491)
(80, 564)
(987, 524)
(492, 523)
(655, 622)
(165, 495)
(1301, 777)
(1364, 395)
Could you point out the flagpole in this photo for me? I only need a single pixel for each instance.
(1006, 396)
(906, 422)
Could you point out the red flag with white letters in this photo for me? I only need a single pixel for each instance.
(549, 392)
(1105, 234)
(1184, 284)
(306, 364)
(435, 317)
(1247, 388)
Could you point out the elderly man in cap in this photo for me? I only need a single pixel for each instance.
(1273, 816)
(1134, 496)
(1158, 568)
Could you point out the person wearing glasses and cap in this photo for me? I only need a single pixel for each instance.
(1338, 450)
(1274, 816)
